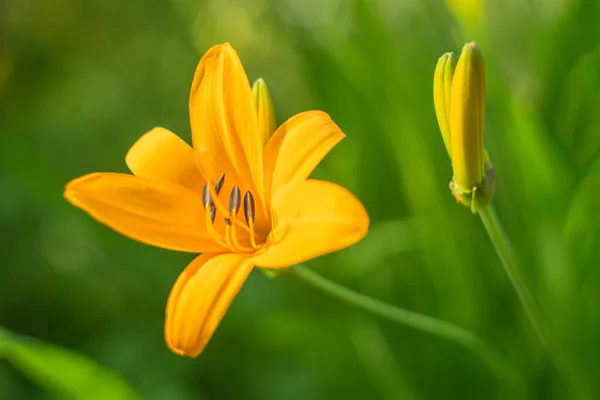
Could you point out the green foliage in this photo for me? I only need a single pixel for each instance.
(81, 81)
(65, 374)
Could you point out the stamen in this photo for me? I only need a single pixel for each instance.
(232, 241)
(248, 207)
(207, 201)
(249, 215)
(220, 183)
(234, 200)
(252, 237)
(228, 237)
(223, 211)
(234, 207)
(210, 199)
(235, 241)
(211, 229)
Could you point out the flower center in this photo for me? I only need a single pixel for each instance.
(230, 237)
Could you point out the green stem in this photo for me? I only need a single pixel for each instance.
(504, 250)
(415, 320)
(537, 319)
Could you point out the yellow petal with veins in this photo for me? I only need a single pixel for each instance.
(162, 156)
(161, 215)
(199, 299)
(223, 119)
(297, 147)
(313, 218)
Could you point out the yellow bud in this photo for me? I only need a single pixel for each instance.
(272, 273)
(467, 118)
(264, 109)
(459, 100)
(442, 83)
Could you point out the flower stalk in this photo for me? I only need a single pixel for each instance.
(537, 319)
(425, 323)
(459, 103)
(459, 100)
(504, 250)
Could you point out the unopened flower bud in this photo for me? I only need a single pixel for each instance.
(467, 117)
(264, 109)
(459, 99)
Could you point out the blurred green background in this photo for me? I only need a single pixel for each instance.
(80, 81)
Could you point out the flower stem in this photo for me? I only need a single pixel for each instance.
(504, 250)
(415, 320)
(537, 319)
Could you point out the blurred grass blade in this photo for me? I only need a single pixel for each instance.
(582, 232)
(377, 358)
(63, 373)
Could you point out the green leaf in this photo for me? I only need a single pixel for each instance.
(63, 373)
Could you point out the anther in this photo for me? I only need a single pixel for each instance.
(206, 196)
(207, 201)
(249, 207)
(220, 183)
(234, 200)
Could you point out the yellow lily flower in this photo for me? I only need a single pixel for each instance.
(188, 198)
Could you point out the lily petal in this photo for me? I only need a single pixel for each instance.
(314, 218)
(223, 117)
(297, 147)
(161, 215)
(199, 299)
(162, 156)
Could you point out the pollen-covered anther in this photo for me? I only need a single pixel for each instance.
(234, 200)
(249, 208)
(220, 183)
(249, 212)
(208, 203)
